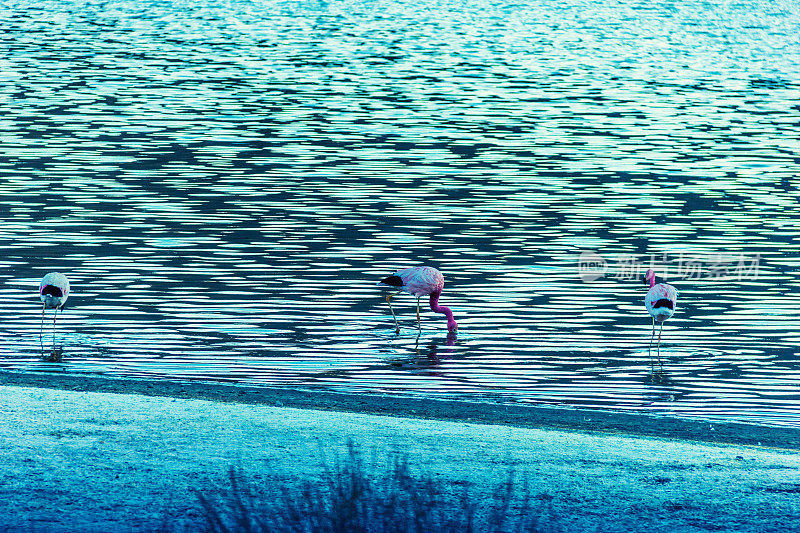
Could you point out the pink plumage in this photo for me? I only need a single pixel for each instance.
(418, 282)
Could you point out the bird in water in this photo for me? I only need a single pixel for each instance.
(418, 282)
(53, 292)
(660, 302)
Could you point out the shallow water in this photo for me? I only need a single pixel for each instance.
(224, 183)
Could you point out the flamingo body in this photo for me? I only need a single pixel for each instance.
(660, 301)
(418, 282)
(54, 290)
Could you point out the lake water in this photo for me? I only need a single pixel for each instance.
(224, 183)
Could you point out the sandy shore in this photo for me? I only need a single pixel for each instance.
(520, 415)
(75, 460)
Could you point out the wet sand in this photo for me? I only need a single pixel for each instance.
(532, 416)
(100, 454)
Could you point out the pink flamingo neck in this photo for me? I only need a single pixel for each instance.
(436, 308)
(651, 277)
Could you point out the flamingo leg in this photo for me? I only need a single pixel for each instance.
(396, 325)
(660, 364)
(650, 346)
(419, 325)
(41, 330)
(55, 314)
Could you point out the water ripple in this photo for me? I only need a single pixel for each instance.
(223, 182)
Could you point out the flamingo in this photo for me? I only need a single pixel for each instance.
(419, 281)
(660, 302)
(53, 291)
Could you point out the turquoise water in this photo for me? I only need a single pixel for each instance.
(224, 184)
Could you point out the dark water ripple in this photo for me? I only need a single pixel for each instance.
(224, 181)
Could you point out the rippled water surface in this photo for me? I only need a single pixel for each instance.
(224, 182)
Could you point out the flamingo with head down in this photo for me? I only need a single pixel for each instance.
(53, 292)
(418, 282)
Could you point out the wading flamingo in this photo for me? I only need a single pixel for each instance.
(419, 282)
(660, 302)
(53, 291)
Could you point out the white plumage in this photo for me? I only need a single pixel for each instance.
(660, 301)
(53, 292)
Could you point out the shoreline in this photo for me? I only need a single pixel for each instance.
(103, 461)
(514, 415)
